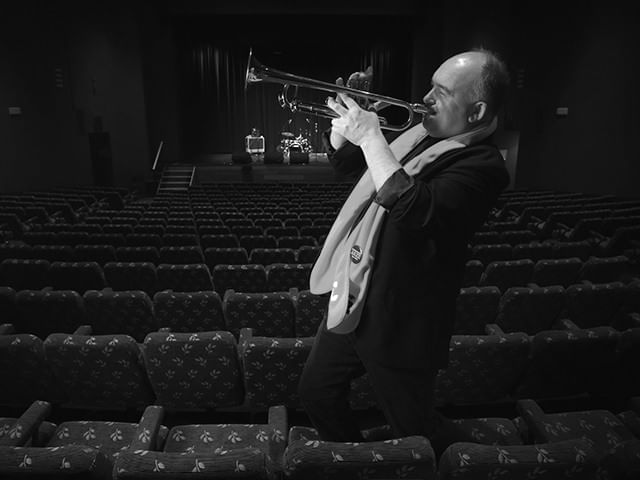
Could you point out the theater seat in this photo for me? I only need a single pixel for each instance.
(308, 457)
(272, 369)
(191, 371)
(269, 314)
(99, 371)
(127, 313)
(189, 311)
(547, 461)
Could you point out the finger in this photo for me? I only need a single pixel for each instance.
(336, 107)
(348, 101)
(339, 81)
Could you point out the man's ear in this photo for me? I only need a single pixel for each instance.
(478, 112)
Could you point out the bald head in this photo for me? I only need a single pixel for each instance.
(467, 90)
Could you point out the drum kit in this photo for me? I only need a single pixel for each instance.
(292, 143)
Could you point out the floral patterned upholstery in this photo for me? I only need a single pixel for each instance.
(310, 311)
(249, 242)
(78, 276)
(600, 429)
(581, 249)
(24, 366)
(593, 305)
(184, 278)
(103, 371)
(267, 256)
(44, 312)
(193, 370)
(53, 253)
(473, 270)
(138, 254)
(475, 307)
(176, 255)
(530, 309)
(307, 457)
(569, 362)
(226, 256)
(189, 311)
(21, 431)
(140, 239)
(534, 250)
(15, 250)
(307, 254)
(111, 438)
(267, 314)
(297, 241)
(482, 368)
(129, 313)
(272, 369)
(127, 276)
(270, 438)
(558, 271)
(627, 375)
(24, 274)
(179, 239)
(491, 252)
(225, 240)
(101, 254)
(283, 276)
(40, 463)
(250, 463)
(507, 273)
(248, 278)
(8, 310)
(547, 461)
(605, 269)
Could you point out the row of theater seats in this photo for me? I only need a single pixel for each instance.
(82, 276)
(578, 444)
(559, 271)
(298, 313)
(533, 309)
(134, 313)
(228, 269)
(281, 238)
(229, 251)
(204, 370)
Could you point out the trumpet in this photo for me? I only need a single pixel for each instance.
(257, 73)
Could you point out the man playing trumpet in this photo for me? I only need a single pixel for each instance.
(395, 256)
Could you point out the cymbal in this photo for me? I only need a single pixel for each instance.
(287, 134)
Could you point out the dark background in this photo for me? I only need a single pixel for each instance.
(137, 73)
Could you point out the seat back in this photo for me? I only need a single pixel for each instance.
(189, 311)
(267, 314)
(126, 313)
(482, 368)
(193, 370)
(101, 371)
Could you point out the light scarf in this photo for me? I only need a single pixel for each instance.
(347, 258)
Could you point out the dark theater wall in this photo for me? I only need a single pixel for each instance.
(73, 69)
(561, 54)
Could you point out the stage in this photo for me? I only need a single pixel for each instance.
(220, 168)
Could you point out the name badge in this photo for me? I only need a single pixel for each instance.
(356, 254)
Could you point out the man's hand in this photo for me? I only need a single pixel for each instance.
(359, 81)
(355, 124)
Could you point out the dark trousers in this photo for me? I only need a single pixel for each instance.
(405, 395)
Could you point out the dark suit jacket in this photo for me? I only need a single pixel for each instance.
(421, 254)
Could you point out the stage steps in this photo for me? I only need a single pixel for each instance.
(176, 177)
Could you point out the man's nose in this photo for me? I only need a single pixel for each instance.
(428, 98)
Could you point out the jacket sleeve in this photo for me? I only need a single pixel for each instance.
(458, 197)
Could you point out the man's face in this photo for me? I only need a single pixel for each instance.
(450, 98)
